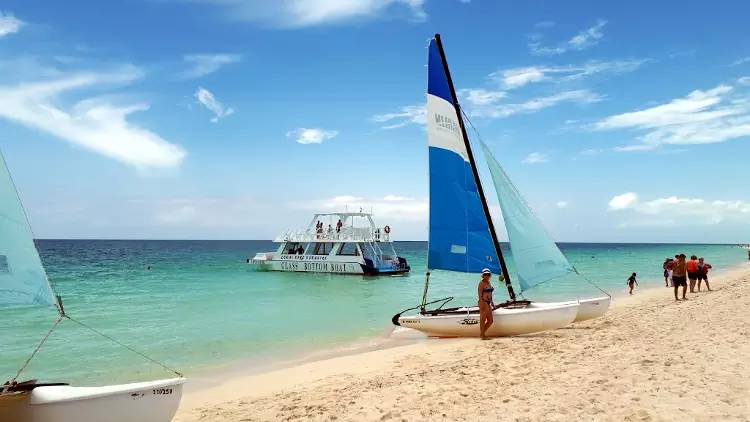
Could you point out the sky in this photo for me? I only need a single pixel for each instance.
(238, 119)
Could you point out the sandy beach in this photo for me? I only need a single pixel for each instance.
(649, 358)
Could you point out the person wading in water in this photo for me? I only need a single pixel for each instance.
(679, 276)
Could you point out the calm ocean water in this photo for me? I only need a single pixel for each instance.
(201, 306)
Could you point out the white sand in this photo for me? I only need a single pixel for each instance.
(649, 358)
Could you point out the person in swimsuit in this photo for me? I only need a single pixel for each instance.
(679, 275)
(692, 272)
(632, 283)
(703, 268)
(486, 305)
(667, 271)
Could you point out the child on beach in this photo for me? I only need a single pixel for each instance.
(632, 282)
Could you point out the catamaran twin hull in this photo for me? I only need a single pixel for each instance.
(464, 322)
(155, 401)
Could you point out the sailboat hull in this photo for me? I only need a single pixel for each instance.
(507, 322)
(588, 309)
(155, 401)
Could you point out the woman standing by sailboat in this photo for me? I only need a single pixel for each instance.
(486, 305)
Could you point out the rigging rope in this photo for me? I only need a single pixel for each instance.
(39, 346)
(466, 117)
(123, 345)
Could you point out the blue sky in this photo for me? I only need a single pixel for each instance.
(236, 119)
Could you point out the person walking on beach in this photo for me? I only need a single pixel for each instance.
(486, 305)
(692, 272)
(632, 282)
(679, 276)
(703, 268)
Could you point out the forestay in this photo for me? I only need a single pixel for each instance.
(459, 236)
(536, 256)
(23, 280)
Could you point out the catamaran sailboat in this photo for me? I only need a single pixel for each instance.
(339, 248)
(462, 235)
(23, 282)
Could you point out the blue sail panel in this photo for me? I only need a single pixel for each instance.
(536, 256)
(23, 280)
(459, 238)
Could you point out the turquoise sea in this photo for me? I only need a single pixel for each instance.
(201, 307)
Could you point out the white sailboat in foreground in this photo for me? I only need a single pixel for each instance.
(24, 282)
(462, 236)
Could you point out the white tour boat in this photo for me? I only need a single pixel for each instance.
(338, 247)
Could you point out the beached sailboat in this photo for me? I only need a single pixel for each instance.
(23, 282)
(462, 236)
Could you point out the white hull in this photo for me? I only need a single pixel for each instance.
(589, 308)
(304, 266)
(507, 322)
(155, 401)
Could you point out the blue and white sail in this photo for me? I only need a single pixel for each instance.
(536, 256)
(23, 280)
(459, 237)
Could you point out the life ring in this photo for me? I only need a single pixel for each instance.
(387, 229)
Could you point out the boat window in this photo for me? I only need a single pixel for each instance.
(349, 249)
(323, 248)
(293, 248)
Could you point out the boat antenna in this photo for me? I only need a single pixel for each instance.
(474, 170)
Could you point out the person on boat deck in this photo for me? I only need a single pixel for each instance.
(632, 283)
(692, 272)
(679, 275)
(486, 305)
(300, 250)
(338, 226)
(703, 268)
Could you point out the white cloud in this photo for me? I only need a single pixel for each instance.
(385, 210)
(203, 211)
(562, 204)
(592, 151)
(745, 80)
(481, 96)
(207, 100)
(584, 39)
(702, 117)
(534, 105)
(310, 135)
(94, 123)
(520, 76)
(306, 13)
(414, 114)
(203, 64)
(397, 198)
(536, 157)
(685, 210)
(739, 62)
(624, 201)
(9, 24)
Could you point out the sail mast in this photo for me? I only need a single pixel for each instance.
(478, 182)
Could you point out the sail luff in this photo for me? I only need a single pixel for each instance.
(475, 172)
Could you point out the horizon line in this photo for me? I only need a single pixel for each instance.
(395, 241)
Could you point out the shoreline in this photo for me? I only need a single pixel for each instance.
(223, 398)
(210, 375)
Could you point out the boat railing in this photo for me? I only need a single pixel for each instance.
(346, 234)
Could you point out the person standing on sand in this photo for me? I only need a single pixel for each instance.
(632, 282)
(679, 275)
(703, 268)
(486, 305)
(667, 272)
(692, 272)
